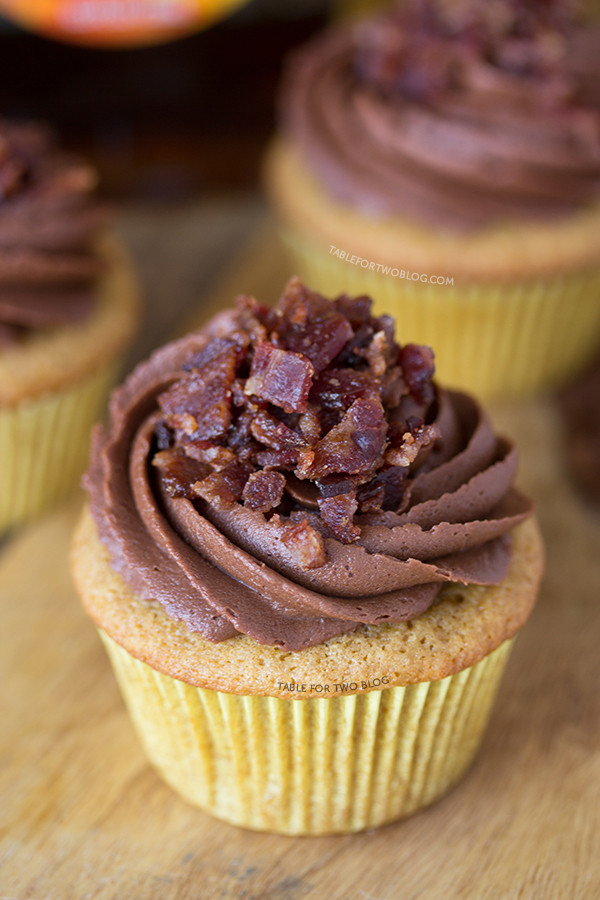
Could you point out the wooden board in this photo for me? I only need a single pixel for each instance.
(83, 816)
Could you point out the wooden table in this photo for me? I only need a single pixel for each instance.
(82, 815)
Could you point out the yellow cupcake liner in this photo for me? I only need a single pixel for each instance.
(510, 339)
(44, 445)
(310, 767)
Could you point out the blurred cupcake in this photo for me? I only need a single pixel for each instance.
(445, 158)
(68, 307)
(307, 564)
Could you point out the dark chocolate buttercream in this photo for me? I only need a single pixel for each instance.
(224, 569)
(48, 223)
(453, 119)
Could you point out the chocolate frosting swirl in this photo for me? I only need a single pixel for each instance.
(224, 569)
(454, 121)
(48, 223)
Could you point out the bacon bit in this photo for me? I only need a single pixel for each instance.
(376, 354)
(370, 496)
(272, 433)
(339, 388)
(282, 459)
(412, 446)
(263, 490)
(418, 368)
(337, 512)
(224, 487)
(184, 424)
(356, 309)
(239, 437)
(298, 306)
(310, 425)
(216, 456)
(251, 315)
(321, 340)
(305, 544)
(178, 472)
(238, 398)
(333, 485)
(204, 396)
(353, 446)
(395, 484)
(217, 350)
(281, 377)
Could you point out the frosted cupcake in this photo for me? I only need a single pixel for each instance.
(445, 158)
(307, 564)
(68, 307)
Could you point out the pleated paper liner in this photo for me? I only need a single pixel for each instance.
(310, 766)
(44, 445)
(510, 339)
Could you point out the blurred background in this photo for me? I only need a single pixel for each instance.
(162, 122)
(177, 131)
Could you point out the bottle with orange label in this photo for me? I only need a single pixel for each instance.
(116, 23)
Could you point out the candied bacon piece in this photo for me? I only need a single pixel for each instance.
(288, 459)
(200, 403)
(332, 485)
(356, 309)
(237, 342)
(239, 436)
(238, 398)
(337, 512)
(414, 443)
(213, 454)
(281, 458)
(310, 425)
(352, 354)
(223, 487)
(275, 434)
(339, 388)
(251, 315)
(376, 354)
(394, 480)
(320, 340)
(281, 377)
(370, 496)
(263, 490)
(178, 472)
(184, 425)
(353, 446)
(387, 325)
(298, 305)
(418, 368)
(304, 543)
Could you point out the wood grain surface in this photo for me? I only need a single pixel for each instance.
(82, 815)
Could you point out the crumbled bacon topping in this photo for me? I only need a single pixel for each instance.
(305, 543)
(281, 377)
(311, 391)
(263, 490)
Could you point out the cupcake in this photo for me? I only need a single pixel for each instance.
(307, 563)
(445, 158)
(68, 307)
